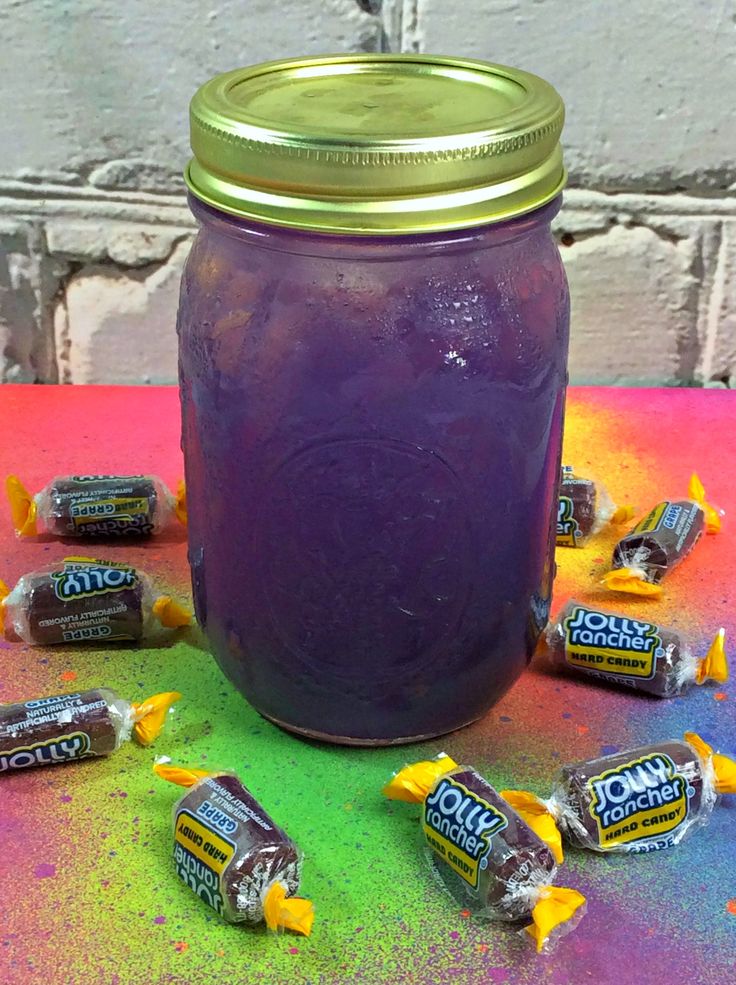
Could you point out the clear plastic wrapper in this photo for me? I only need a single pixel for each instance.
(660, 541)
(637, 801)
(485, 854)
(640, 655)
(96, 506)
(584, 507)
(232, 854)
(85, 600)
(66, 727)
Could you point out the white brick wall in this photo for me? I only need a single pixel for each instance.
(94, 228)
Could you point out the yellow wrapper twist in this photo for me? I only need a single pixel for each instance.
(4, 592)
(623, 514)
(170, 614)
(282, 912)
(413, 783)
(182, 776)
(149, 716)
(556, 906)
(631, 580)
(180, 503)
(714, 665)
(22, 507)
(712, 516)
(724, 767)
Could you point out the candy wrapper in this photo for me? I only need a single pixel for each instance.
(637, 801)
(229, 851)
(489, 859)
(631, 652)
(94, 506)
(584, 507)
(660, 541)
(67, 727)
(83, 600)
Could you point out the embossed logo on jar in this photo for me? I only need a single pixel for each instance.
(373, 576)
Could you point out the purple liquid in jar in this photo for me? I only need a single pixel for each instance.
(372, 432)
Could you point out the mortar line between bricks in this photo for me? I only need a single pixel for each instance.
(715, 306)
(391, 21)
(52, 201)
(31, 190)
(411, 38)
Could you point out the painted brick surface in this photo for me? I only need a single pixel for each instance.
(94, 226)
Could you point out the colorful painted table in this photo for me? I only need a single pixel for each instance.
(87, 892)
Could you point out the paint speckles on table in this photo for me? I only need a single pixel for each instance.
(45, 870)
(88, 889)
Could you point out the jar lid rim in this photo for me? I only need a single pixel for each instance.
(377, 143)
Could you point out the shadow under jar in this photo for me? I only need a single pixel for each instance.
(373, 337)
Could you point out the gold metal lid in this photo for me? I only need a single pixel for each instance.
(376, 144)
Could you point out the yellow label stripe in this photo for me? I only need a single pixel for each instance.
(209, 847)
(611, 662)
(652, 520)
(130, 507)
(646, 824)
(458, 860)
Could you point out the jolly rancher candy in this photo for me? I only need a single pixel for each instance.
(67, 727)
(631, 652)
(229, 851)
(83, 600)
(94, 506)
(583, 508)
(488, 858)
(660, 541)
(637, 801)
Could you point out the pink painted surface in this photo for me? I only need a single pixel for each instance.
(86, 882)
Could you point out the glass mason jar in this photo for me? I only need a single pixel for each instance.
(373, 337)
